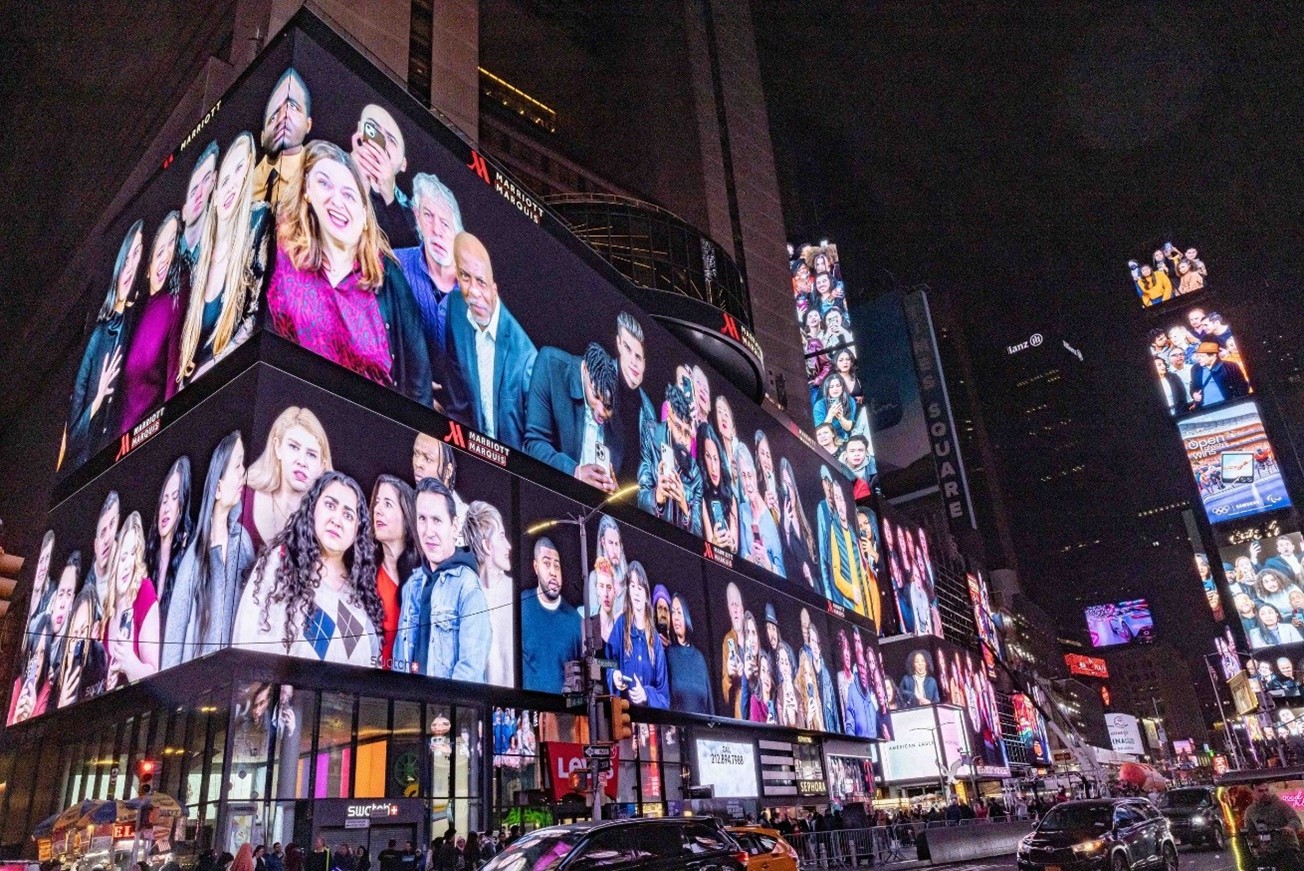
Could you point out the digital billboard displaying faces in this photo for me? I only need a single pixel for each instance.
(914, 583)
(1120, 623)
(781, 662)
(1280, 673)
(985, 618)
(324, 212)
(1234, 465)
(1169, 272)
(837, 396)
(1265, 581)
(933, 673)
(1197, 361)
(295, 522)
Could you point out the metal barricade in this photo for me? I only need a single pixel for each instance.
(855, 848)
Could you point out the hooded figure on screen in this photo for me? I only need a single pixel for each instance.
(215, 565)
(337, 289)
(486, 372)
(444, 629)
(295, 455)
(568, 416)
(149, 374)
(313, 592)
(380, 153)
(670, 482)
(429, 267)
(640, 672)
(287, 121)
(94, 412)
(228, 276)
(690, 681)
(550, 626)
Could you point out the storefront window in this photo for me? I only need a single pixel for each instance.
(253, 728)
(406, 751)
(196, 751)
(334, 762)
(373, 748)
(218, 725)
(441, 751)
(296, 714)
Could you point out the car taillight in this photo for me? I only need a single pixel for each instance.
(742, 857)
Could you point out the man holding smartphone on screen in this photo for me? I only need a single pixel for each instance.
(669, 480)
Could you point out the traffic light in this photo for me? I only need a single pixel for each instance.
(622, 726)
(145, 769)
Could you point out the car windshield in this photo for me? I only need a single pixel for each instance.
(543, 850)
(1183, 798)
(1077, 818)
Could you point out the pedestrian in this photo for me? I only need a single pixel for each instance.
(294, 858)
(364, 859)
(275, 860)
(471, 855)
(319, 859)
(260, 864)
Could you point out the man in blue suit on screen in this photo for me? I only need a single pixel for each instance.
(485, 374)
(568, 421)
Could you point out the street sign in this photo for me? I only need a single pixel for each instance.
(575, 700)
(597, 751)
(606, 663)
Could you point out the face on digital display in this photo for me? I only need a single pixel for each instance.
(1197, 360)
(1170, 271)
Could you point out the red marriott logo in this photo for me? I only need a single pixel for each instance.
(479, 167)
(456, 437)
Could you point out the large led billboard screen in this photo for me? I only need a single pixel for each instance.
(1234, 464)
(1171, 271)
(839, 409)
(1197, 361)
(279, 517)
(914, 577)
(1265, 581)
(1120, 623)
(336, 212)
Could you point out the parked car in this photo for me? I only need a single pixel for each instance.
(1108, 834)
(1194, 816)
(766, 849)
(675, 844)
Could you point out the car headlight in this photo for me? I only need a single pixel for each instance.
(1024, 843)
(1095, 845)
(1199, 820)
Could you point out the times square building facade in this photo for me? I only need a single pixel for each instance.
(264, 735)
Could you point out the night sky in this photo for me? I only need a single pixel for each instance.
(1015, 160)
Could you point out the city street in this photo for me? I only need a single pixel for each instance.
(1191, 860)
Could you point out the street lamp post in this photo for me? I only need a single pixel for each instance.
(937, 756)
(1232, 743)
(581, 521)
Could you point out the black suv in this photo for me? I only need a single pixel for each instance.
(1108, 834)
(1194, 816)
(688, 843)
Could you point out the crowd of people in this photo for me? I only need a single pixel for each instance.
(1171, 272)
(763, 679)
(1198, 362)
(837, 396)
(391, 285)
(1266, 583)
(450, 851)
(287, 554)
(913, 579)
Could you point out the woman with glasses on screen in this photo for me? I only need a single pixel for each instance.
(94, 400)
(337, 289)
(150, 373)
(313, 592)
(132, 629)
(215, 564)
(233, 253)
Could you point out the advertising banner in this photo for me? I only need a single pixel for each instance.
(1171, 271)
(1197, 361)
(1125, 734)
(1234, 464)
(1087, 666)
(565, 759)
(728, 766)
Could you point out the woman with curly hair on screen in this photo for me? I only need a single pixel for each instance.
(312, 593)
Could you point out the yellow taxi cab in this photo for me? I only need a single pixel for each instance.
(766, 849)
